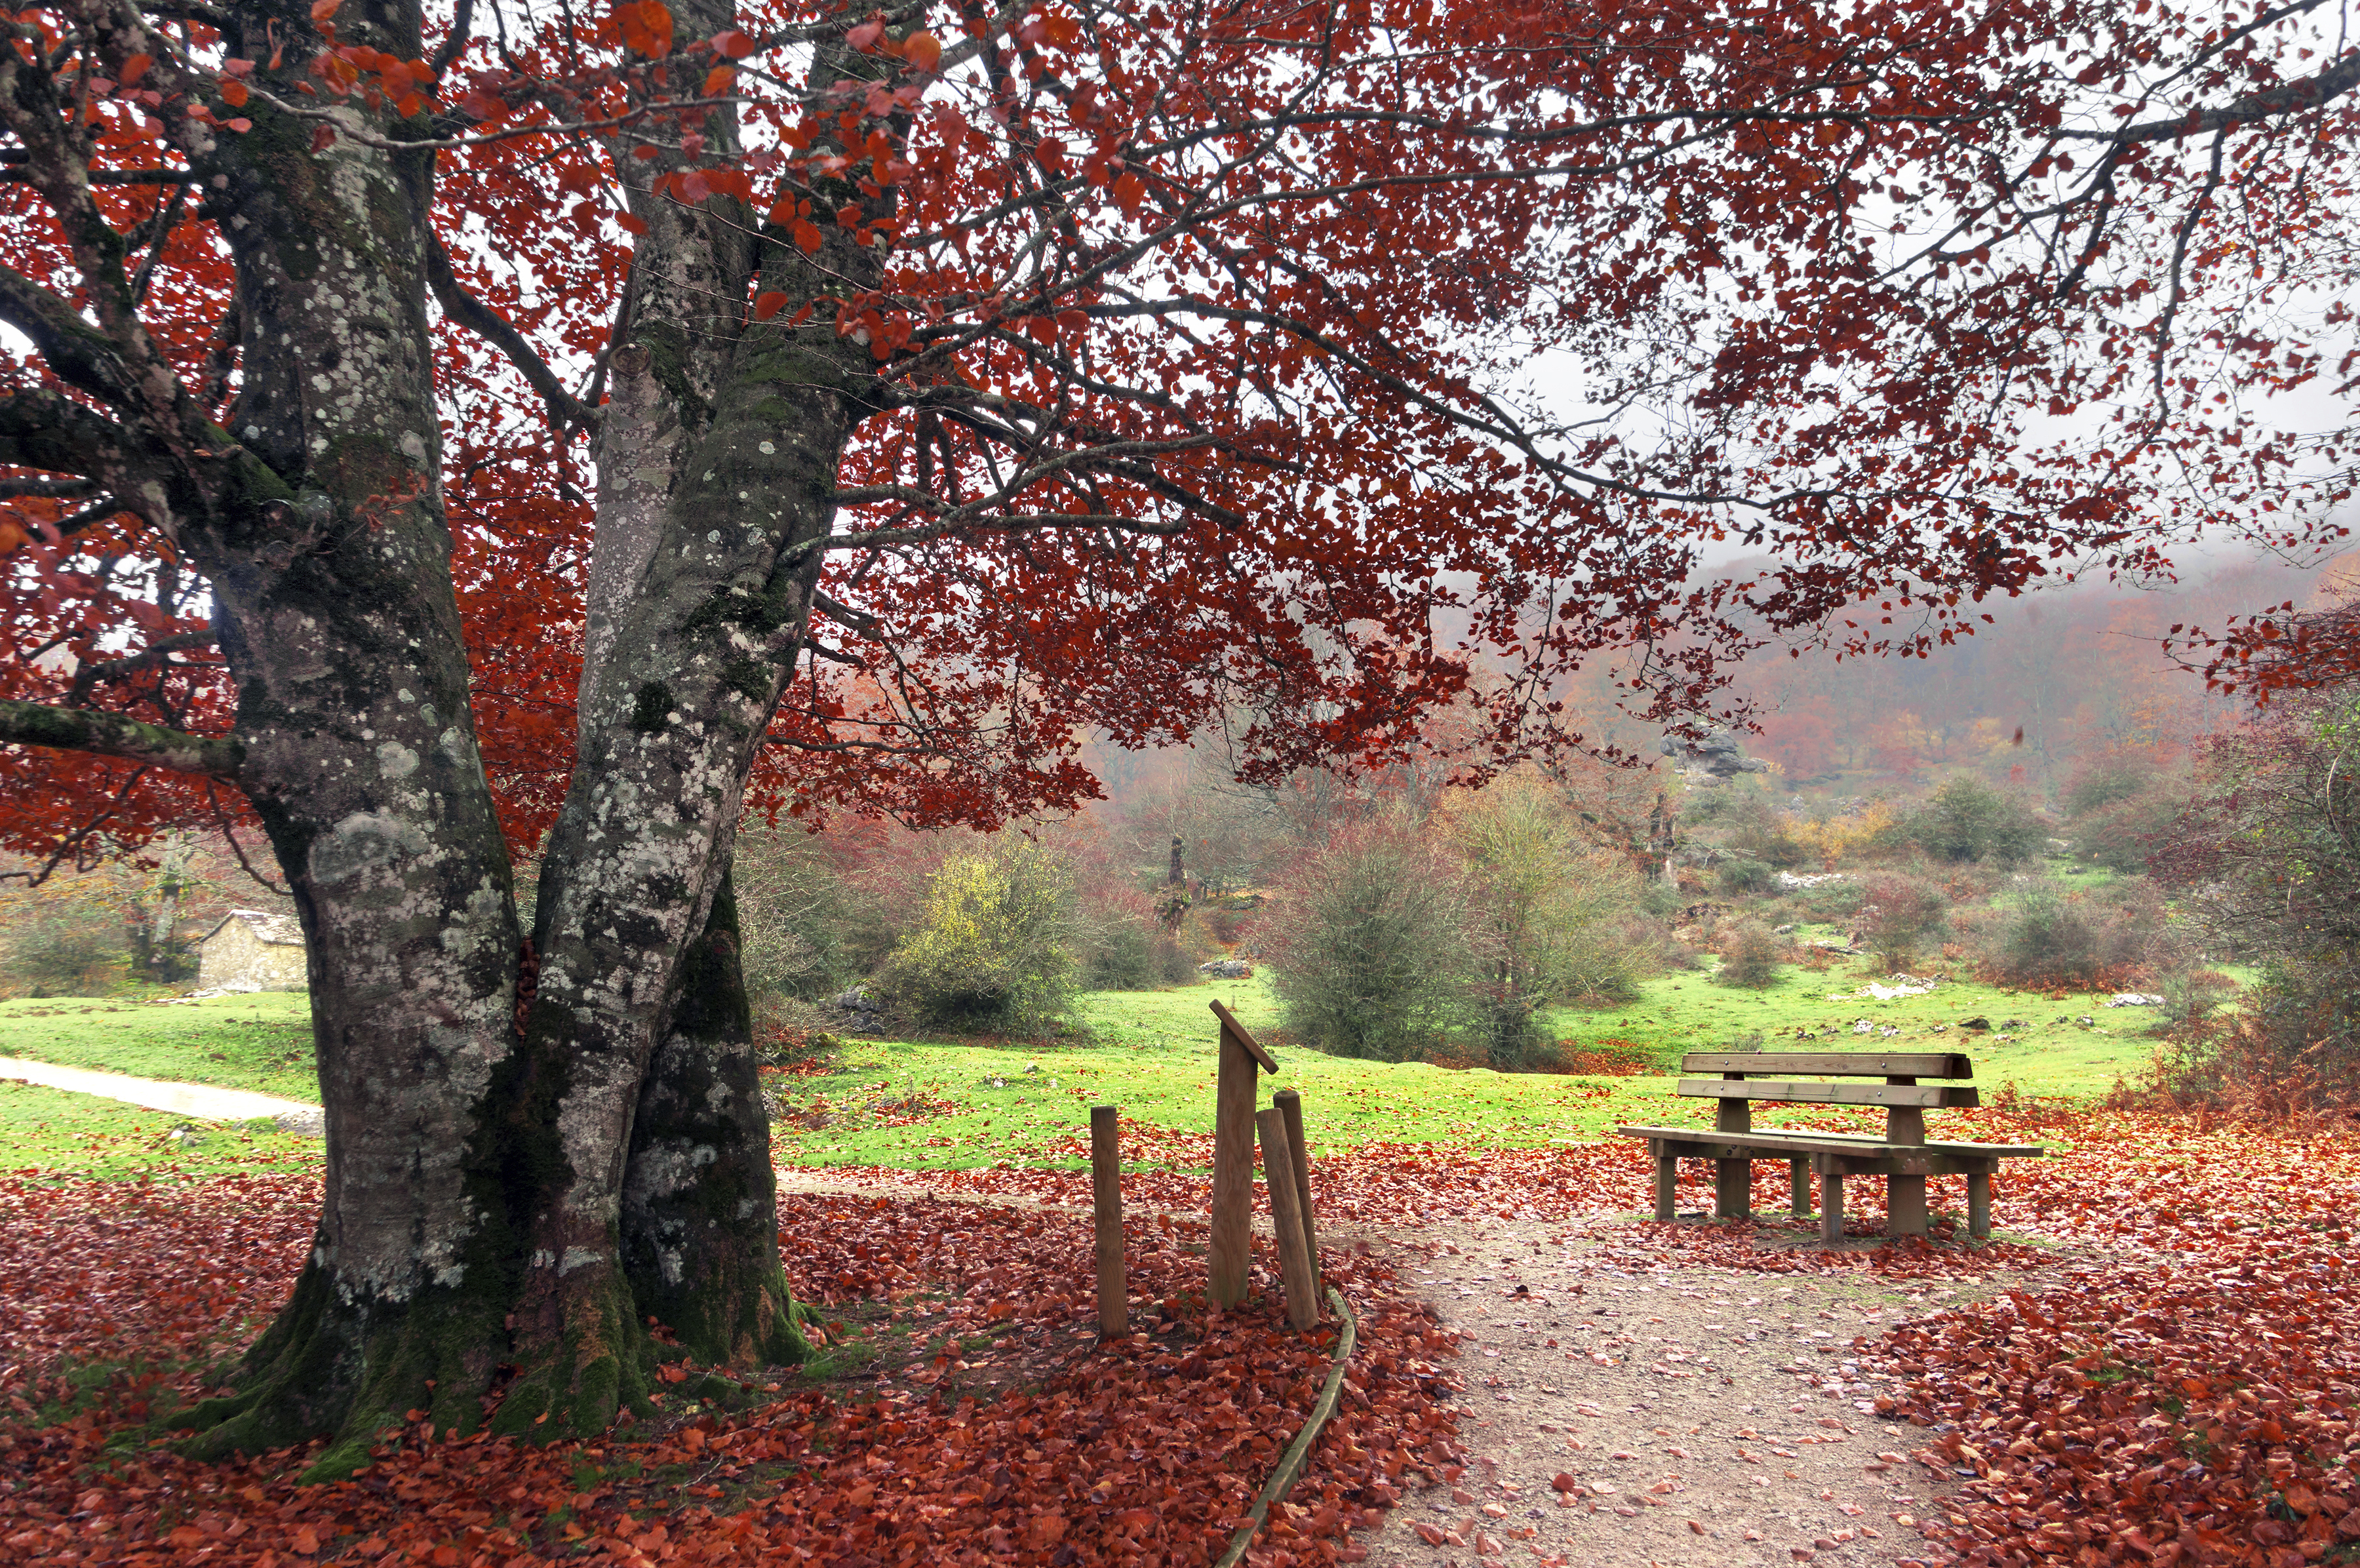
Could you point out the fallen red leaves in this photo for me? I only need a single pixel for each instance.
(2185, 1397)
(2188, 1398)
(1147, 1450)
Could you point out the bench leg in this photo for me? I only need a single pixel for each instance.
(1904, 1205)
(1732, 1181)
(1831, 1208)
(1799, 1180)
(1979, 1205)
(1667, 1182)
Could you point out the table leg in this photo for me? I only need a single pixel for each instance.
(1732, 1181)
(1904, 1205)
(1979, 1205)
(1667, 1181)
(1831, 1207)
(1798, 1178)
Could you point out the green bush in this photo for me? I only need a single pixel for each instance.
(1745, 876)
(1750, 957)
(992, 947)
(1367, 944)
(1549, 924)
(78, 954)
(2051, 940)
(1968, 820)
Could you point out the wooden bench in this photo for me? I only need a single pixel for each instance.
(1903, 1156)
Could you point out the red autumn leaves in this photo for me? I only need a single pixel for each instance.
(2187, 1394)
(1151, 1447)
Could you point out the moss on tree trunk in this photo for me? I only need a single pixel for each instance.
(700, 1200)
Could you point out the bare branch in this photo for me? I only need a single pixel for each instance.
(564, 408)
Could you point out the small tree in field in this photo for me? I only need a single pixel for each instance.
(994, 947)
(1548, 915)
(1367, 944)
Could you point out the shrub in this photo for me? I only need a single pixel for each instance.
(791, 909)
(992, 950)
(81, 954)
(1968, 820)
(2121, 834)
(1750, 957)
(2056, 938)
(1745, 876)
(1368, 943)
(1134, 956)
(2051, 940)
(1550, 923)
(2108, 778)
(1900, 916)
(2191, 995)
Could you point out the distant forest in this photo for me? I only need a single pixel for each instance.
(2080, 670)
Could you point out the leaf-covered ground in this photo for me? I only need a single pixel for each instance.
(1146, 1450)
(2184, 1398)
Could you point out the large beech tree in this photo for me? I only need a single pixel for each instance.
(432, 437)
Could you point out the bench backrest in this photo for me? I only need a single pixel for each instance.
(1832, 1063)
(1747, 1076)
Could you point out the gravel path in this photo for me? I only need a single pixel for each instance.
(1622, 1410)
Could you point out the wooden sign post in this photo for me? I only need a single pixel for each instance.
(1231, 1243)
(1290, 1106)
(1286, 1220)
(1106, 1189)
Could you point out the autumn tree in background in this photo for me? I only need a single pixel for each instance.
(428, 441)
(1549, 920)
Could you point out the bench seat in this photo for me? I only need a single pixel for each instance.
(1904, 1157)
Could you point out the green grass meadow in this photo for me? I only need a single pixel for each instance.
(949, 1104)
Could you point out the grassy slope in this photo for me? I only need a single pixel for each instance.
(52, 1132)
(1151, 1053)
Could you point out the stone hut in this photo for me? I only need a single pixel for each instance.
(252, 950)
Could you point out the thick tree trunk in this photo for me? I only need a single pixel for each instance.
(700, 1197)
(505, 1207)
(334, 609)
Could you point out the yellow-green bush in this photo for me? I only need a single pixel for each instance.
(992, 948)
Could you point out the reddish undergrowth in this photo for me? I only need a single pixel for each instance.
(1144, 1452)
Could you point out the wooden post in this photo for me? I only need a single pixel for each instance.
(1733, 1179)
(1799, 1183)
(1290, 1105)
(1979, 1205)
(1904, 1196)
(1286, 1219)
(1230, 1246)
(1831, 1207)
(1106, 1190)
(1667, 1181)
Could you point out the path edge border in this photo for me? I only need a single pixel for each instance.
(1290, 1468)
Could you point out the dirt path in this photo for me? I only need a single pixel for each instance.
(201, 1100)
(1701, 1417)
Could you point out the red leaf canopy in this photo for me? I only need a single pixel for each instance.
(1307, 368)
